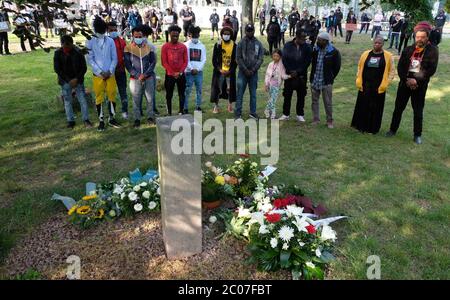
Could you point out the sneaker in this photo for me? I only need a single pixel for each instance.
(315, 122)
(198, 108)
(216, 110)
(230, 108)
(273, 116)
(237, 117)
(390, 133)
(88, 124)
(284, 118)
(300, 119)
(156, 112)
(151, 121)
(125, 115)
(267, 113)
(137, 124)
(71, 124)
(418, 139)
(185, 112)
(112, 122)
(101, 126)
(254, 116)
(330, 125)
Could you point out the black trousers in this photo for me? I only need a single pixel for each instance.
(292, 29)
(348, 36)
(273, 44)
(417, 102)
(22, 42)
(338, 26)
(364, 26)
(4, 42)
(404, 38)
(290, 85)
(169, 85)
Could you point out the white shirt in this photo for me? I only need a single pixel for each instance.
(377, 20)
(196, 56)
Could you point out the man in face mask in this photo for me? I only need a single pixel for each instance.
(416, 66)
(103, 59)
(214, 19)
(121, 77)
(194, 70)
(70, 65)
(140, 62)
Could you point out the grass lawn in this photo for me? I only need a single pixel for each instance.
(395, 192)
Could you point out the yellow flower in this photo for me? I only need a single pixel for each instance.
(100, 214)
(72, 210)
(90, 197)
(220, 180)
(83, 210)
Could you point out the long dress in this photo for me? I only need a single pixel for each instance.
(369, 106)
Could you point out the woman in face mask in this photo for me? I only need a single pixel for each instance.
(223, 84)
(273, 33)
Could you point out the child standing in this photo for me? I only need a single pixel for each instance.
(275, 74)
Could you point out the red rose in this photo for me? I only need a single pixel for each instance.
(311, 229)
(273, 218)
(278, 203)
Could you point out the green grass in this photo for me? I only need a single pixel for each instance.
(396, 193)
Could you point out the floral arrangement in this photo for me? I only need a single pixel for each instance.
(215, 184)
(248, 175)
(89, 211)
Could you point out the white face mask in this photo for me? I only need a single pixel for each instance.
(226, 37)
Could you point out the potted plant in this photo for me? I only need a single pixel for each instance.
(215, 186)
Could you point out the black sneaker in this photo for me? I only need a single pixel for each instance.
(71, 124)
(114, 123)
(151, 121)
(101, 126)
(156, 112)
(137, 124)
(88, 124)
(198, 108)
(185, 111)
(390, 133)
(254, 116)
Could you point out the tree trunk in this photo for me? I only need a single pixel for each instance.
(317, 8)
(247, 12)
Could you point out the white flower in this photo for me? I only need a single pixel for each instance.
(310, 264)
(122, 196)
(263, 229)
(219, 171)
(152, 205)
(124, 181)
(301, 243)
(266, 207)
(244, 212)
(258, 196)
(318, 252)
(214, 170)
(133, 196)
(273, 242)
(158, 191)
(208, 164)
(137, 188)
(301, 223)
(285, 246)
(138, 207)
(327, 233)
(286, 233)
(146, 194)
(143, 184)
(212, 219)
(237, 162)
(293, 210)
(226, 177)
(254, 164)
(117, 189)
(258, 217)
(112, 213)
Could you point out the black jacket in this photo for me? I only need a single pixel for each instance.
(428, 66)
(273, 31)
(331, 64)
(74, 63)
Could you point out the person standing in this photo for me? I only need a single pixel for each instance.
(194, 70)
(235, 24)
(214, 19)
(273, 33)
(187, 16)
(262, 20)
(439, 23)
(171, 18)
(283, 26)
(375, 72)
(339, 17)
(376, 26)
(296, 59)
(133, 20)
(48, 22)
(331, 23)
(275, 74)
(249, 56)
(4, 42)
(351, 25)
(365, 21)
(326, 64)
(392, 21)
(416, 66)
(405, 34)
(174, 59)
(140, 62)
(120, 74)
(23, 30)
(395, 34)
(223, 83)
(293, 18)
(103, 59)
(70, 66)
(154, 24)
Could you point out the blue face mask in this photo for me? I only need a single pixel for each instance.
(138, 41)
(114, 34)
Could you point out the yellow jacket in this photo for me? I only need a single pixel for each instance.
(389, 71)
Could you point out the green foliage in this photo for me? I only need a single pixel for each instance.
(29, 274)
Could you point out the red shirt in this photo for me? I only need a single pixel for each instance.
(174, 58)
(120, 48)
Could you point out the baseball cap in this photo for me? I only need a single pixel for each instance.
(249, 27)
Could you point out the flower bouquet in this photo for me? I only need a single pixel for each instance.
(89, 211)
(248, 175)
(216, 186)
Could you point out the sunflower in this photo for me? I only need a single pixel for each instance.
(83, 210)
(90, 197)
(100, 214)
(72, 210)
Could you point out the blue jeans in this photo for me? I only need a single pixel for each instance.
(121, 79)
(394, 37)
(190, 81)
(67, 96)
(242, 83)
(137, 89)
